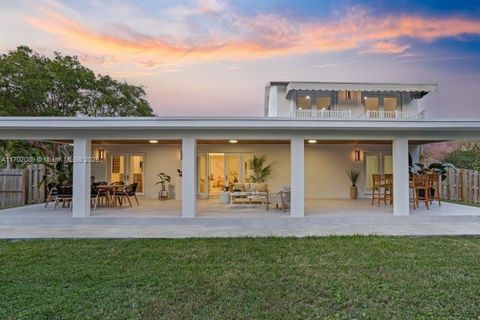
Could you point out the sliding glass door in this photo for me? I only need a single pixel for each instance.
(376, 163)
(128, 168)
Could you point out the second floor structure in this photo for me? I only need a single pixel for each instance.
(342, 100)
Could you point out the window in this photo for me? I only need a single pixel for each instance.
(389, 103)
(304, 103)
(324, 103)
(371, 103)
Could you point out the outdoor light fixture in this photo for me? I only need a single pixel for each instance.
(101, 154)
(232, 141)
(357, 155)
(153, 141)
(308, 97)
(312, 141)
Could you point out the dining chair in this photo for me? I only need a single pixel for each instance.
(377, 188)
(421, 183)
(388, 194)
(97, 195)
(434, 192)
(64, 195)
(51, 193)
(126, 193)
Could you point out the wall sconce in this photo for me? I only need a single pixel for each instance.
(101, 154)
(357, 155)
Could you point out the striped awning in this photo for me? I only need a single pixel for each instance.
(421, 88)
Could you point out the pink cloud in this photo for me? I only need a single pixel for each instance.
(249, 37)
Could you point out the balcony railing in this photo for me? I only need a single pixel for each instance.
(369, 115)
(394, 115)
(323, 114)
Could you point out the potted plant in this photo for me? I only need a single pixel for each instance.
(353, 175)
(163, 180)
(437, 168)
(260, 171)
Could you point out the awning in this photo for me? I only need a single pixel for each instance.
(420, 88)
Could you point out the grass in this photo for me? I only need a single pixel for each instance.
(269, 278)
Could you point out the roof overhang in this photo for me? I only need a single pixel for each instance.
(420, 89)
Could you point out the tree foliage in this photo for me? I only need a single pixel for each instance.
(465, 159)
(35, 85)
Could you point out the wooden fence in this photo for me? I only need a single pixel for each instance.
(22, 186)
(461, 185)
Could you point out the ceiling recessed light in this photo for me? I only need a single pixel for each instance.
(308, 97)
(153, 141)
(232, 141)
(312, 141)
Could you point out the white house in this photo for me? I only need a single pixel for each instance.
(312, 133)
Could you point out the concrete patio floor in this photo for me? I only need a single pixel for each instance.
(162, 219)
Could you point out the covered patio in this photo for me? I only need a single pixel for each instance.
(212, 208)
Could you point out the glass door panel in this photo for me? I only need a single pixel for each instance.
(117, 168)
(247, 172)
(216, 171)
(233, 168)
(372, 166)
(202, 177)
(387, 164)
(135, 171)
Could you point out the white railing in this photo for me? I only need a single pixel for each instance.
(394, 115)
(323, 114)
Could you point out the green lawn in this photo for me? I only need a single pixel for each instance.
(274, 278)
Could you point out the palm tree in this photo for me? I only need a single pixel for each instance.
(260, 171)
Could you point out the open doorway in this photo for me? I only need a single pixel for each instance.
(217, 171)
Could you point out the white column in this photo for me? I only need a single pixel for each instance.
(297, 171)
(189, 174)
(82, 150)
(401, 202)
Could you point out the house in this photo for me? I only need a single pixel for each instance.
(311, 133)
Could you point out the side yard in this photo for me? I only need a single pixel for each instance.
(332, 277)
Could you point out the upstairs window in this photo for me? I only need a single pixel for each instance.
(371, 103)
(304, 103)
(389, 103)
(324, 103)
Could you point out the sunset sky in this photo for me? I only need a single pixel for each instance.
(214, 57)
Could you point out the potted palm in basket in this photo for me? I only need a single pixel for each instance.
(353, 175)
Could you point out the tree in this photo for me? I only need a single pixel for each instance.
(35, 85)
(465, 159)
(260, 171)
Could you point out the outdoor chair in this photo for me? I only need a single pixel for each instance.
(96, 195)
(51, 193)
(377, 187)
(64, 195)
(388, 194)
(126, 193)
(421, 189)
(434, 193)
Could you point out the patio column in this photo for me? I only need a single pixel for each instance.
(189, 195)
(297, 171)
(401, 194)
(82, 149)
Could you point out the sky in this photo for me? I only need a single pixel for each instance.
(214, 57)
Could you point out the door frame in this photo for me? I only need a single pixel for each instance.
(127, 167)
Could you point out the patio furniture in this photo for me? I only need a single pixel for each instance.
(434, 193)
(262, 199)
(51, 193)
(377, 187)
(388, 194)
(224, 197)
(97, 194)
(238, 197)
(421, 183)
(281, 199)
(64, 195)
(126, 193)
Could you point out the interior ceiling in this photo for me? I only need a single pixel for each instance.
(319, 142)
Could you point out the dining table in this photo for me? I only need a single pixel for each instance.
(109, 191)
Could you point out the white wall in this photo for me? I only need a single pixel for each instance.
(158, 158)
